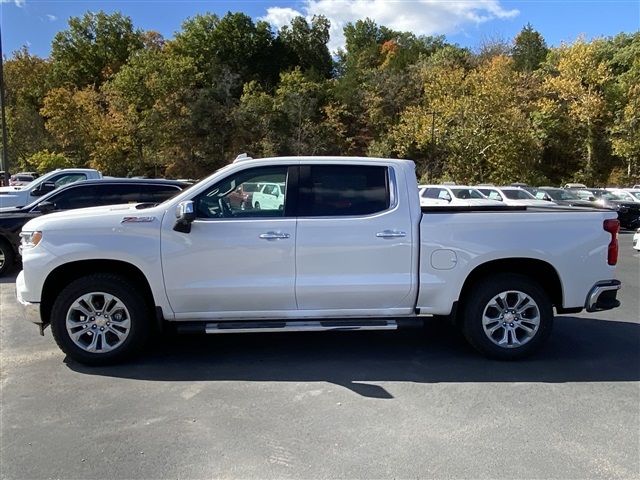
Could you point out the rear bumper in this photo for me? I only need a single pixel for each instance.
(30, 311)
(602, 296)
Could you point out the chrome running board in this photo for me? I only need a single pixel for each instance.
(299, 326)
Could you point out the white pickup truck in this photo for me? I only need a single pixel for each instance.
(24, 195)
(351, 250)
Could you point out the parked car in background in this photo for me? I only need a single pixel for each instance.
(635, 192)
(90, 193)
(22, 178)
(432, 195)
(512, 196)
(562, 196)
(268, 196)
(20, 196)
(524, 186)
(628, 211)
(626, 195)
(575, 185)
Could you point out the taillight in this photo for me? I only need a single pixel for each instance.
(613, 227)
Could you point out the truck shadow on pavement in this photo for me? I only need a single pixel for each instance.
(579, 350)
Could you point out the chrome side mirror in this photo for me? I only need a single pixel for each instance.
(185, 215)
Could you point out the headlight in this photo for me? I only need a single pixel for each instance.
(30, 239)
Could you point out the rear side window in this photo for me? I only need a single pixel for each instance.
(343, 190)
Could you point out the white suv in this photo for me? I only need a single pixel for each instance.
(269, 196)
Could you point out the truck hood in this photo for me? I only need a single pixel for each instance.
(94, 217)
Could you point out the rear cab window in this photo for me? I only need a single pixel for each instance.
(343, 190)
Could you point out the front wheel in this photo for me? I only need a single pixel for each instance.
(507, 316)
(100, 319)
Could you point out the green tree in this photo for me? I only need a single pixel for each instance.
(93, 48)
(233, 44)
(306, 45)
(529, 49)
(45, 161)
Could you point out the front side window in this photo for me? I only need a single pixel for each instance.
(253, 193)
(75, 197)
(344, 190)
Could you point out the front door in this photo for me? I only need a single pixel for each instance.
(237, 261)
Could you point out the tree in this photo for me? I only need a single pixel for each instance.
(26, 84)
(529, 50)
(575, 96)
(45, 161)
(232, 43)
(473, 127)
(93, 48)
(73, 119)
(306, 45)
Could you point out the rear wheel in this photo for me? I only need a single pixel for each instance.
(257, 206)
(507, 316)
(100, 319)
(7, 257)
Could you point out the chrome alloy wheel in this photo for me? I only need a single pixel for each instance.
(98, 322)
(511, 319)
(2, 258)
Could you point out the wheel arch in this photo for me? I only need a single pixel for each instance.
(60, 277)
(539, 270)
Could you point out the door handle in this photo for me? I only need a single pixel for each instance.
(274, 236)
(391, 234)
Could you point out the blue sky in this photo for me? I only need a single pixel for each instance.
(466, 22)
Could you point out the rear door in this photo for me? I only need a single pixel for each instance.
(354, 237)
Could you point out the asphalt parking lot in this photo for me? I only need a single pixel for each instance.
(410, 404)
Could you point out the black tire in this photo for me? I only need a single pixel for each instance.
(481, 295)
(120, 287)
(6, 251)
(257, 206)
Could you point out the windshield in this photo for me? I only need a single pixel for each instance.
(517, 194)
(622, 196)
(466, 193)
(561, 194)
(635, 194)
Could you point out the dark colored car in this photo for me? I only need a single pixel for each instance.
(628, 212)
(90, 193)
(562, 196)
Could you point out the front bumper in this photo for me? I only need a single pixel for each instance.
(30, 311)
(602, 296)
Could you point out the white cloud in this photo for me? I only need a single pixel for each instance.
(52, 18)
(422, 17)
(17, 3)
